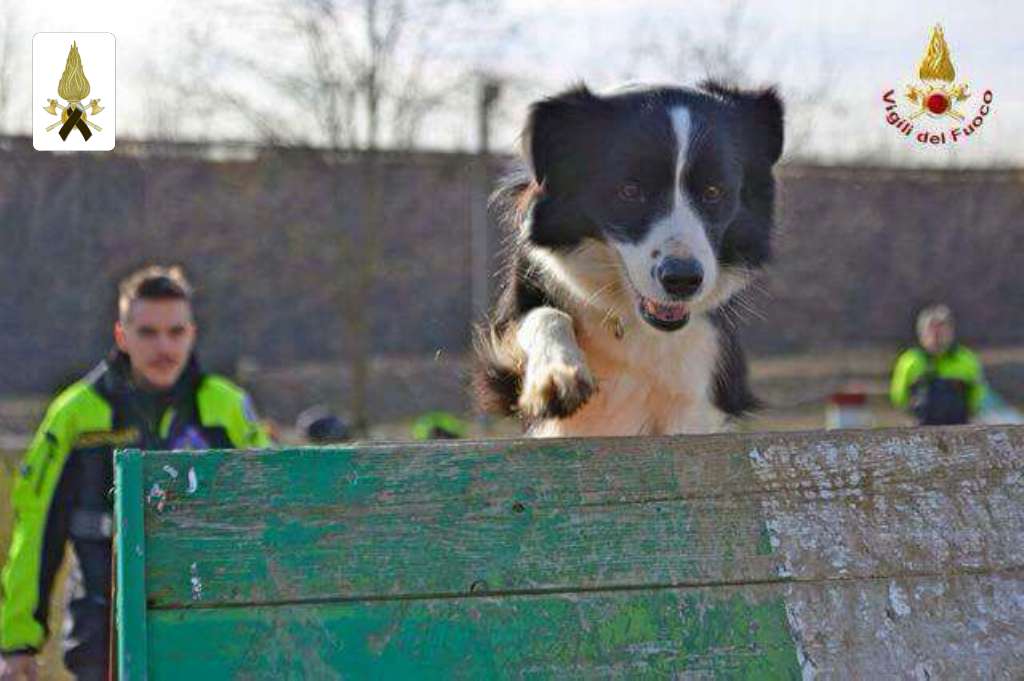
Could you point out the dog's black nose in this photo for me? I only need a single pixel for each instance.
(680, 278)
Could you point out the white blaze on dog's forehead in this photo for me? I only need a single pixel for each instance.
(682, 124)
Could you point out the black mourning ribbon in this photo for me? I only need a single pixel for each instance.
(75, 121)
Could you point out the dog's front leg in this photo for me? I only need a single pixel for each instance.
(557, 381)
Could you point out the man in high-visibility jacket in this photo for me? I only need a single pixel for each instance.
(150, 393)
(940, 382)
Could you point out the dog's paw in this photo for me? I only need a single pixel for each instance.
(556, 390)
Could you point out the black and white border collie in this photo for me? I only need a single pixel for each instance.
(641, 213)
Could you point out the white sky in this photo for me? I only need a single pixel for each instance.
(870, 45)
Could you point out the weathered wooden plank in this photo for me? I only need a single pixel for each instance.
(485, 520)
(957, 627)
(695, 633)
(563, 515)
(130, 590)
(947, 502)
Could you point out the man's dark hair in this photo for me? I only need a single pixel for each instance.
(152, 283)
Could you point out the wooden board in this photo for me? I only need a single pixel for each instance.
(874, 553)
(653, 632)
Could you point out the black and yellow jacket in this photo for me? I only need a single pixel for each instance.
(954, 376)
(62, 490)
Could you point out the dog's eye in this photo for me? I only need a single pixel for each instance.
(631, 192)
(712, 193)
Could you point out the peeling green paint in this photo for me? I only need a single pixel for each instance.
(764, 541)
(652, 634)
(377, 563)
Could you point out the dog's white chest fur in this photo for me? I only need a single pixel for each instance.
(648, 382)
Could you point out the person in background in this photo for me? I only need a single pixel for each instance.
(438, 425)
(940, 382)
(149, 393)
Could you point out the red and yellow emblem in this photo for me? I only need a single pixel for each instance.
(937, 94)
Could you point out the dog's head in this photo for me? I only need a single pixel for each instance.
(671, 187)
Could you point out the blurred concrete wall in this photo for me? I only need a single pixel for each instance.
(271, 241)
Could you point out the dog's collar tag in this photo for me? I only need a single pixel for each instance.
(618, 328)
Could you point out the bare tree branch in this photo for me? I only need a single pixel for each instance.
(736, 50)
(345, 73)
(339, 74)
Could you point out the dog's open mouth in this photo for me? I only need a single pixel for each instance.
(664, 316)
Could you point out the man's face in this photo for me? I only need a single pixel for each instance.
(158, 336)
(937, 337)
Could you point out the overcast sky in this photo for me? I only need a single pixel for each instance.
(852, 51)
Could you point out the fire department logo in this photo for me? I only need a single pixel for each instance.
(937, 96)
(936, 93)
(74, 88)
(73, 91)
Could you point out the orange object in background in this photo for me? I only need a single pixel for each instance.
(848, 409)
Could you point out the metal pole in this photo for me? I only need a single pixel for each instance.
(480, 251)
(480, 243)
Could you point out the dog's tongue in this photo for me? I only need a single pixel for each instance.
(668, 313)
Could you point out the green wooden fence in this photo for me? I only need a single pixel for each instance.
(857, 554)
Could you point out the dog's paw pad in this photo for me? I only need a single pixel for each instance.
(556, 391)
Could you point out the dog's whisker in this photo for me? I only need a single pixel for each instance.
(590, 300)
(747, 306)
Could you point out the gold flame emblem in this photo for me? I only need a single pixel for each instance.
(937, 94)
(74, 88)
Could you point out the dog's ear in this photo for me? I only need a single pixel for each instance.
(760, 113)
(560, 134)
